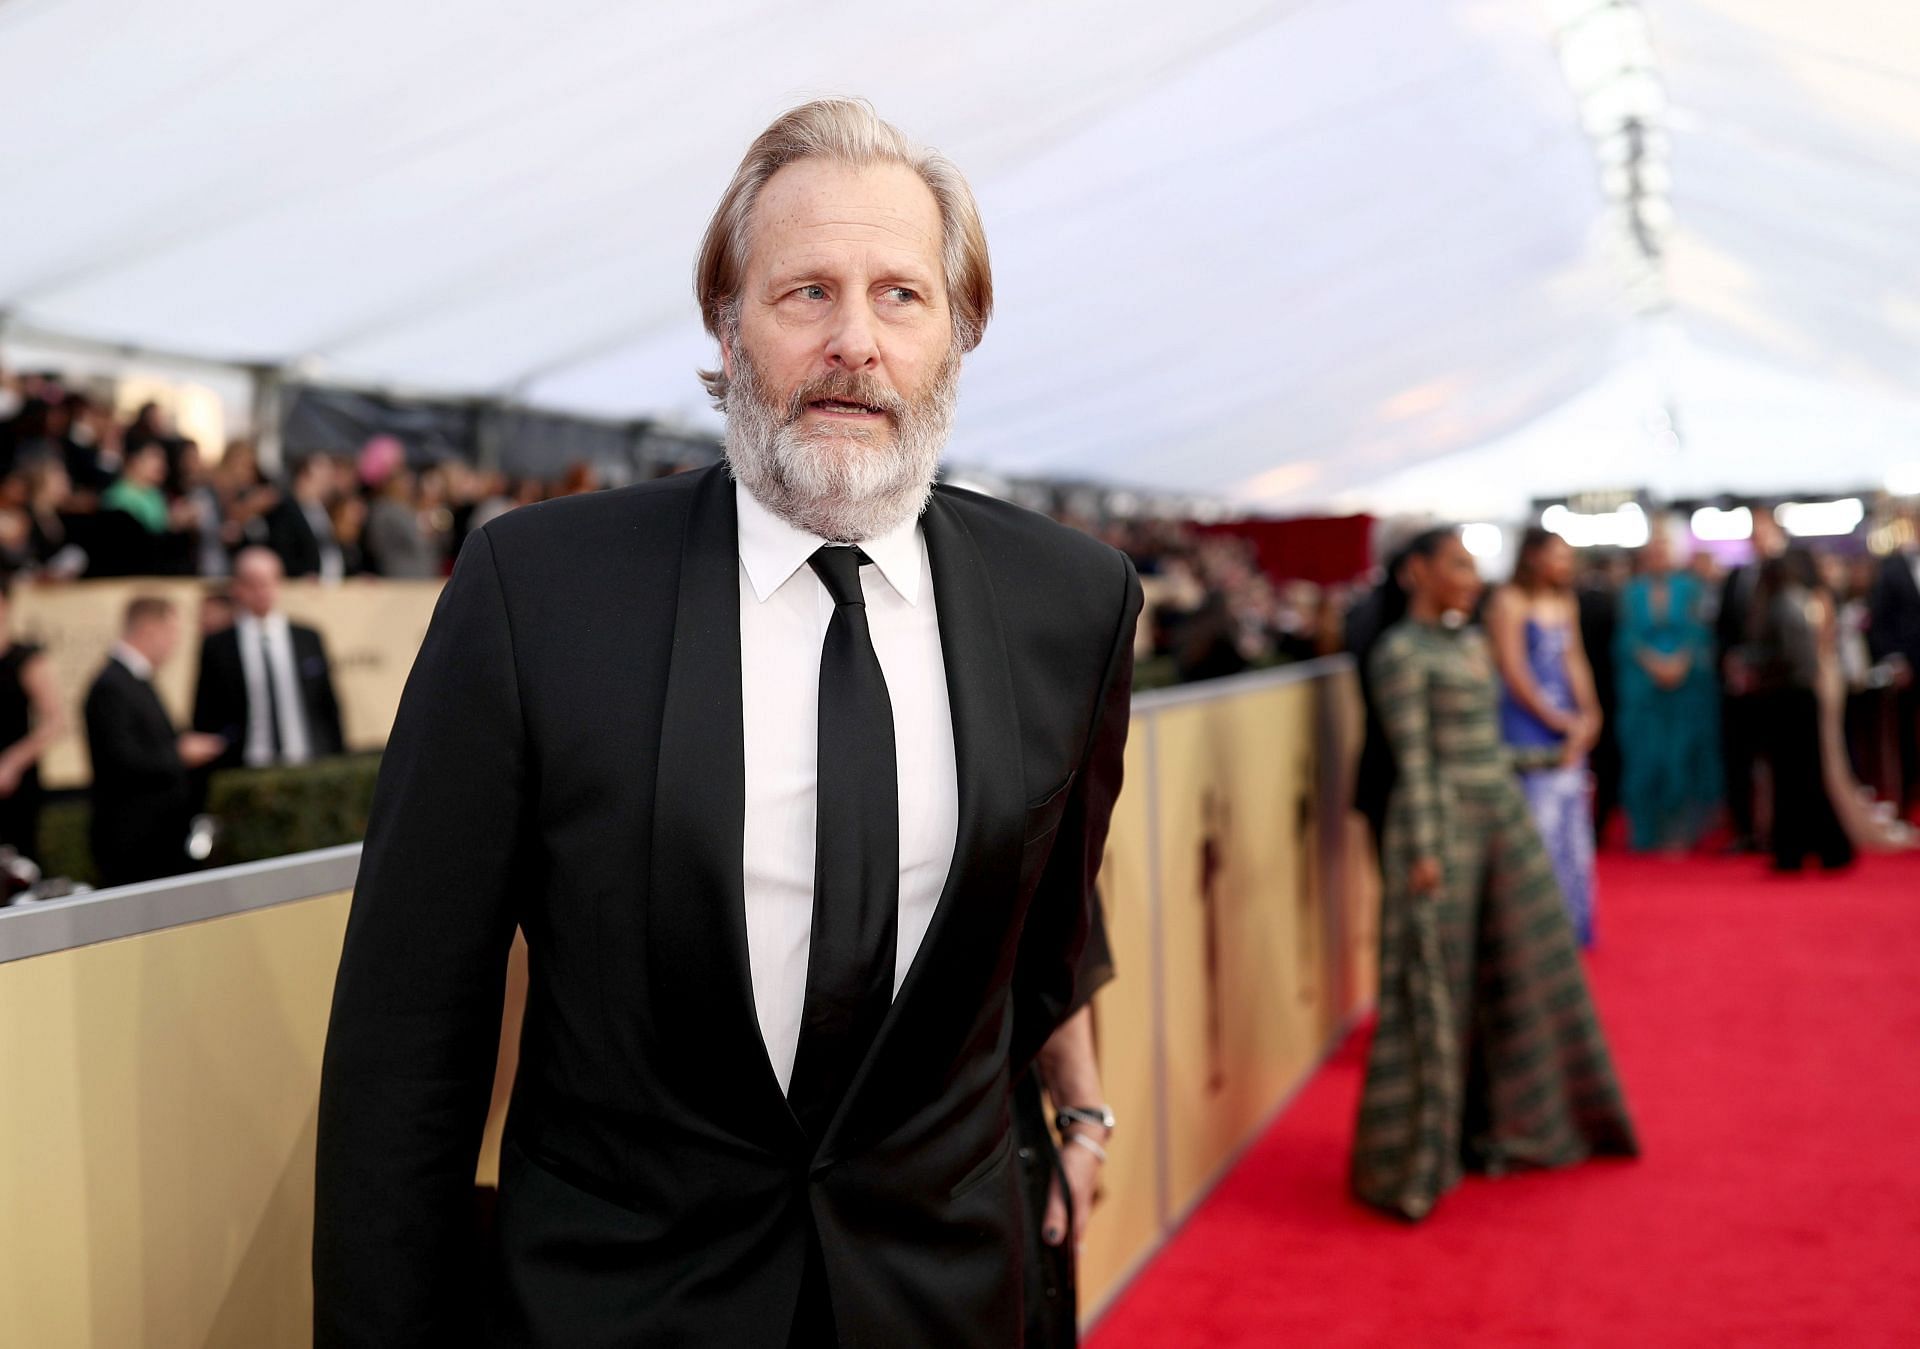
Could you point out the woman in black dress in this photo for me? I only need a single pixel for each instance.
(1785, 652)
(30, 720)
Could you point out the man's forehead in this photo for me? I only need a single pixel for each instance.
(809, 206)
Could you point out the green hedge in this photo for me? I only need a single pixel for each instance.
(263, 812)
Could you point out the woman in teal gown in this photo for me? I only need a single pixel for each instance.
(1669, 719)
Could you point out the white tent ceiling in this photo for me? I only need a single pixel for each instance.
(1290, 251)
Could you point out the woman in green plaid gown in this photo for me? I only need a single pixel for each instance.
(1488, 1055)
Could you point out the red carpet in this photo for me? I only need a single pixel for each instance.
(1768, 1032)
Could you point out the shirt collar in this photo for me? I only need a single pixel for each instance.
(132, 659)
(772, 550)
(273, 622)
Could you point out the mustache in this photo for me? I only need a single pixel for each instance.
(848, 387)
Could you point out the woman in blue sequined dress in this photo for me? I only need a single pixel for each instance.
(1549, 711)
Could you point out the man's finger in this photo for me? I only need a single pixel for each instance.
(1082, 1209)
(1053, 1228)
(1083, 1175)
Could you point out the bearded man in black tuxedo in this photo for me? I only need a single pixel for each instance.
(795, 773)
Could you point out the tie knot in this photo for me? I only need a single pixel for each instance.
(839, 571)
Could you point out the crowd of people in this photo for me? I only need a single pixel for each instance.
(264, 697)
(1487, 710)
(1768, 706)
(1213, 610)
(84, 492)
(1643, 667)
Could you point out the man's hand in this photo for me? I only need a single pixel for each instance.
(1081, 1166)
(1071, 1075)
(197, 748)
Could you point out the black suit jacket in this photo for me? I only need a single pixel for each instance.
(568, 757)
(290, 534)
(1732, 625)
(141, 803)
(1894, 611)
(220, 697)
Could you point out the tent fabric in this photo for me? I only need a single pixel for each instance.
(1286, 250)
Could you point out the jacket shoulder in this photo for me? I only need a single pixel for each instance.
(582, 525)
(107, 683)
(1013, 538)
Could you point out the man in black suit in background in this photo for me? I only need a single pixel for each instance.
(142, 805)
(299, 528)
(795, 773)
(1893, 634)
(1741, 707)
(265, 684)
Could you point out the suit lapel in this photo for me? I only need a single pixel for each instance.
(148, 697)
(987, 760)
(703, 1008)
(141, 694)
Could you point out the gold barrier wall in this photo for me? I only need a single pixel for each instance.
(1243, 934)
(158, 1093)
(157, 1110)
(371, 628)
(1127, 1216)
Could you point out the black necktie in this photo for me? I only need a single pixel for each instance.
(273, 694)
(856, 868)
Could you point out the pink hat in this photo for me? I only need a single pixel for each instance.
(379, 457)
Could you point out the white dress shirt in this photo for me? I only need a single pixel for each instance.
(295, 745)
(784, 612)
(333, 564)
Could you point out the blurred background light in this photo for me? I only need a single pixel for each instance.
(1714, 525)
(1820, 519)
(1626, 527)
(1484, 541)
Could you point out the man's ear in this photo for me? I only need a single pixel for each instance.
(726, 358)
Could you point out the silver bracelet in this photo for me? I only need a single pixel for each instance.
(1084, 1114)
(1088, 1144)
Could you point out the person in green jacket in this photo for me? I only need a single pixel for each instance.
(137, 490)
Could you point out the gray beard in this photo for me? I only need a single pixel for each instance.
(841, 484)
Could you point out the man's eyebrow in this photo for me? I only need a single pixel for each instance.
(817, 269)
(811, 270)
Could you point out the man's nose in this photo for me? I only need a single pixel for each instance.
(853, 344)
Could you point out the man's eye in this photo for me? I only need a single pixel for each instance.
(812, 292)
(902, 294)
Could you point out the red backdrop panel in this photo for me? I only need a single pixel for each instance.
(1325, 550)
